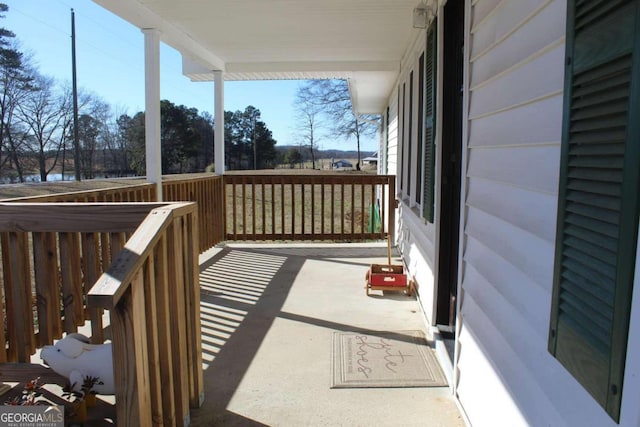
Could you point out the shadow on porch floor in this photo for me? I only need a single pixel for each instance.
(268, 317)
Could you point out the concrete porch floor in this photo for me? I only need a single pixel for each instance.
(268, 317)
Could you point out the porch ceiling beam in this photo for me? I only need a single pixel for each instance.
(312, 66)
(290, 70)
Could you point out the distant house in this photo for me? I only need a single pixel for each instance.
(371, 160)
(342, 164)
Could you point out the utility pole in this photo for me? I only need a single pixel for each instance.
(76, 138)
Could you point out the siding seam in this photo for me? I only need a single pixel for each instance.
(526, 319)
(518, 105)
(513, 30)
(527, 145)
(489, 15)
(511, 184)
(522, 63)
(514, 226)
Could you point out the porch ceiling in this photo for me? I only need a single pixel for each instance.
(360, 40)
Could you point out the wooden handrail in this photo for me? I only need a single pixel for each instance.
(73, 217)
(152, 293)
(151, 290)
(145, 192)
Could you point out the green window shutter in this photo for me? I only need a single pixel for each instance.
(401, 140)
(430, 122)
(419, 156)
(598, 197)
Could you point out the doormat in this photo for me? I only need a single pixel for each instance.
(384, 359)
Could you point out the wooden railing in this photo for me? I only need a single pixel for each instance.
(152, 293)
(208, 192)
(130, 193)
(340, 207)
(52, 255)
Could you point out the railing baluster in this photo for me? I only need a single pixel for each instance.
(151, 354)
(273, 209)
(69, 287)
(165, 350)
(244, 207)
(282, 213)
(313, 207)
(353, 208)
(18, 297)
(302, 210)
(293, 210)
(124, 360)
(264, 203)
(46, 275)
(234, 218)
(192, 307)
(342, 207)
(323, 211)
(91, 267)
(178, 318)
(253, 206)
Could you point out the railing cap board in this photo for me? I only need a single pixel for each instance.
(308, 178)
(169, 179)
(79, 193)
(113, 283)
(108, 217)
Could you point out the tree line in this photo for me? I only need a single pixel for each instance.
(36, 129)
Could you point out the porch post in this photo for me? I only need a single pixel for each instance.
(152, 108)
(218, 145)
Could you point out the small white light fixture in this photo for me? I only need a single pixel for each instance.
(422, 15)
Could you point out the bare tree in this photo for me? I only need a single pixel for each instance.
(46, 117)
(14, 81)
(94, 115)
(334, 99)
(15, 84)
(308, 112)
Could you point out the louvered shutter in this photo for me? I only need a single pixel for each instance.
(430, 122)
(598, 197)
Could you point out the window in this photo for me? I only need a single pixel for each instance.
(429, 122)
(598, 197)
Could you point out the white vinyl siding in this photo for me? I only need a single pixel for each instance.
(515, 122)
(392, 146)
(505, 374)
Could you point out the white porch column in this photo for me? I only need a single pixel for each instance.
(152, 107)
(218, 132)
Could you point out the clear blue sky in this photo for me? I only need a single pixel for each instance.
(110, 63)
